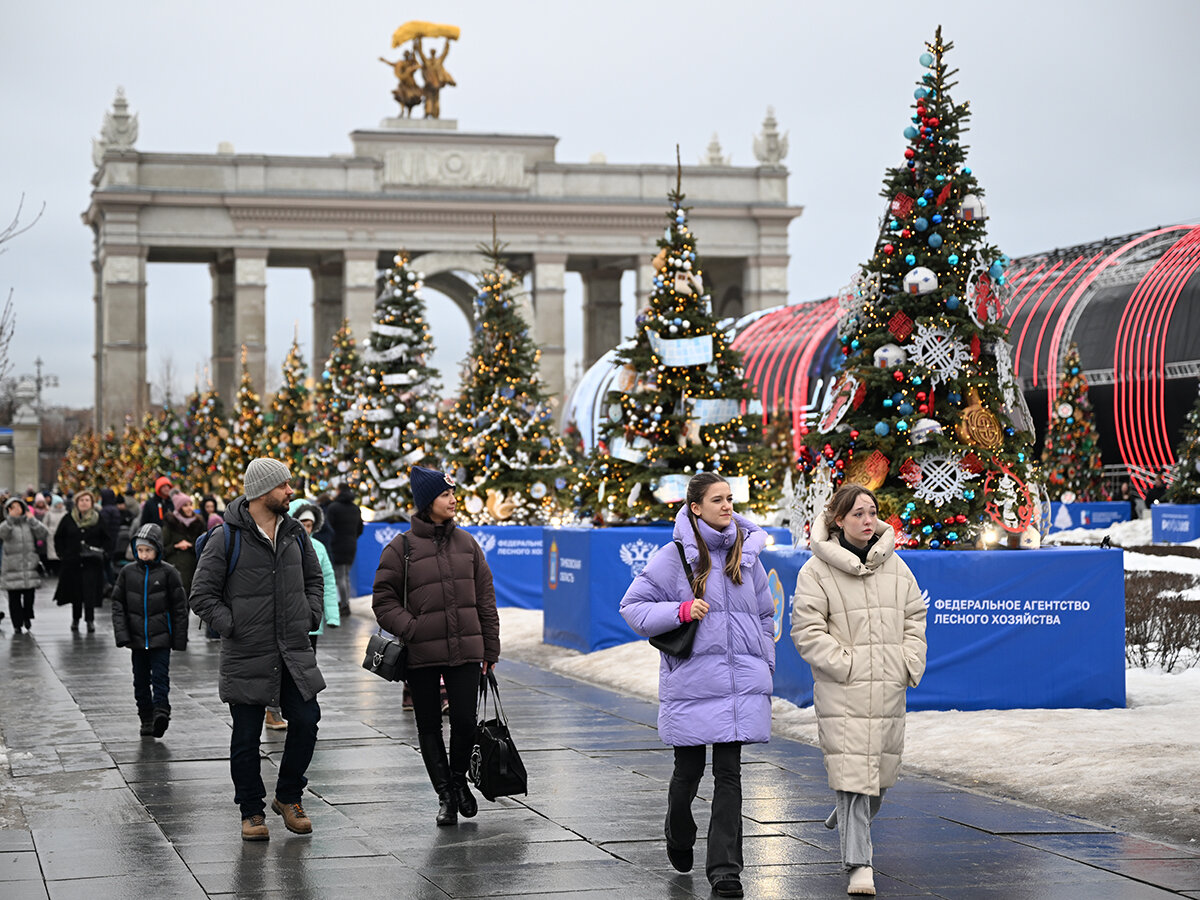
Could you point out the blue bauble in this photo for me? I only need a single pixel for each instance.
(881, 429)
(887, 402)
(904, 409)
(951, 302)
(560, 483)
(1074, 370)
(935, 240)
(926, 529)
(920, 93)
(936, 219)
(952, 535)
(928, 193)
(996, 270)
(967, 170)
(910, 132)
(916, 379)
(941, 178)
(925, 59)
(854, 344)
(1020, 457)
(898, 397)
(952, 259)
(912, 163)
(910, 259)
(902, 426)
(920, 223)
(921, 201)
(677, 321)
(934, 544)
(954, 396)
(968, 495)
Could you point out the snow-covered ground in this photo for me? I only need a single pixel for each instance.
(1135, 769)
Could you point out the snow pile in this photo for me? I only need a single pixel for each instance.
(1122, 534)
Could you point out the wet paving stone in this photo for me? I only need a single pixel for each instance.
(105, 813)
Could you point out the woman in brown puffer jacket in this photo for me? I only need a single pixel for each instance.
(451, 628)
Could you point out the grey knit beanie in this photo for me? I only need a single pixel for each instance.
(263, 475)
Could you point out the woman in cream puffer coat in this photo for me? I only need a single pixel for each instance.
(858, 619)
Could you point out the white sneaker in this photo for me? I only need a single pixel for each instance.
(862, 881)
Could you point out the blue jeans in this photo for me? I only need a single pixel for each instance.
(152, 678)
(302, 718)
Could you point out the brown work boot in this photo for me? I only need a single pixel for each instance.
(295, 819)
(274, 722)
(254, 828)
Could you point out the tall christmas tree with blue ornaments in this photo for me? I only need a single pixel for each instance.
(925, 410)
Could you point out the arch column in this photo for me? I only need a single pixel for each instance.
(328, 306)
(601, 312)
(250, 312)
(764, 283)
(549, 289)
(121, 354)
(225, 358)
(359, 273)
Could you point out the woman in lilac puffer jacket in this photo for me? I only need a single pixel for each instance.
(721, 693)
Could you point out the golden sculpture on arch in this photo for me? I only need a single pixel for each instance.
(408, 92)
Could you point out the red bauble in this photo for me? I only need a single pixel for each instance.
(933, 121)
(923, 408)
(960, 519)
(803, 429)
(889, 249)
(921, 396)
(905, 233)
(840, 464)
(898, 375)
(909, 153)
(854, 434)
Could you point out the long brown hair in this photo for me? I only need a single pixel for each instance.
(696, 490)
(843, 501)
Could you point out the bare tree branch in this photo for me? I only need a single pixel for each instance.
(14, 227)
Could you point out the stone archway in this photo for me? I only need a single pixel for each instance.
(441, 273)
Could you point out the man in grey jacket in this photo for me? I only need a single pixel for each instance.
(258, 584)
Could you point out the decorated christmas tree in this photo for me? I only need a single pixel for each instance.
(78, 467)
(925, 410)
(131, 458)
(1185, 486)
(499, 439)
(111, 472)
(1071, 458)
(207, 431)
(393, 424)
(681, 403)
(163, 442)
(288, 418)
(331, 456)
(245, 431)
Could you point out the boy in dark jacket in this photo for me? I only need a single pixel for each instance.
(150, 617)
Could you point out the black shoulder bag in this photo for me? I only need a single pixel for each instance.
(678, 641)
(387, 656)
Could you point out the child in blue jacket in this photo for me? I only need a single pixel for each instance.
(150, 617)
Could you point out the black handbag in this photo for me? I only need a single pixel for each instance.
(496, 767)
(387, 656)
(678, 641)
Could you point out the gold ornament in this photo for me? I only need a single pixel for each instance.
(869, 471)
(978, 426)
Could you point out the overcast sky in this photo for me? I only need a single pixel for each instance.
(1085, 121)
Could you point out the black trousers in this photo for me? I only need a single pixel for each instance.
(244, 765)
(20, 607)
(462, 690)
(725, 824)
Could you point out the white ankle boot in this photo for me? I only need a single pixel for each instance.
(862, 881)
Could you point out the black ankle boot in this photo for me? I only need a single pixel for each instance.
(463, 796)
(147, 717)
(433, 752)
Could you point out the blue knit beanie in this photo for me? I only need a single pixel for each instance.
(427, 484)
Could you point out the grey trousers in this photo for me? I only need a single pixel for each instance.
(852, 817)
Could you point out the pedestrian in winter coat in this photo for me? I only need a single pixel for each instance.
(310, 516)
(345, 519)
(263, 610)
(81, 543)
(155, 509)
(19, 575)
(858, 619)
(451, 628)
(181, 527)
(721, 693)
(150, 617)
(54, 516)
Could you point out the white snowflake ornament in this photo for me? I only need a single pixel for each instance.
(939, 351)
(942, 479)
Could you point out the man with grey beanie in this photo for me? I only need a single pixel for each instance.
(259, 586)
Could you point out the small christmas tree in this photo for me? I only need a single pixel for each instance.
(1071, 458)
(395, 417)
(1185, 486)
(207, 431)
(331, 456)
(682, 404)
(499, 439)
(78, 467)
(245, 432)
(288, 418)
(110, 472)
(164, 441)
(925, 410)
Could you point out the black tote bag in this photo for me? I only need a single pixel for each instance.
(387, 656)
(496, 767)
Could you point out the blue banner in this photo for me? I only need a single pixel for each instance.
(1006, 629)
(1175, 523)
(514, 554)
(1064, 516)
